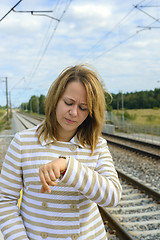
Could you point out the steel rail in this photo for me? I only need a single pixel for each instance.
(112, 221)
(133, 140)
(137, 150)
(149, 191)
(114, 224)
(32, 116)
(21, 122)
(29, 121)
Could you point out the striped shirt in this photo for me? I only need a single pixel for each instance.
(70, 211)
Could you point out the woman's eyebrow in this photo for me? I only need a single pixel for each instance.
(83, 104)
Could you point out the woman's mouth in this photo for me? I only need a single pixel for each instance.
(69, 121)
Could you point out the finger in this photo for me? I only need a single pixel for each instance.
(43, 181)
(52, 175)
(42, 189)
(48, 179)
(56, 172)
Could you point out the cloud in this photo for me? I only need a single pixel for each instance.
(104, 34)
(91, 14)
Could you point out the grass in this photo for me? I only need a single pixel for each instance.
(142, 116)
(4, 124)
(2, 112)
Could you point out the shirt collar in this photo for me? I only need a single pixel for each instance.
(49, 140)
(75, 141)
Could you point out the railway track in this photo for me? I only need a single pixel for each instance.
(140, 147)
(138, 214)
(28, 121)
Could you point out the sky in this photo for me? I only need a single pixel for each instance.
(119, 39)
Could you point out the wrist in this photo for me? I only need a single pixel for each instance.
(67, 158)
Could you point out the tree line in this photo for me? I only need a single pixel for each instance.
(36, 104)
(133, 100)
(137, 100)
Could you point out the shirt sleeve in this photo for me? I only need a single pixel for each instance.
(11, 223)
(100, 185)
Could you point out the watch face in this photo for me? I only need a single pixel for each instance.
(62, 157)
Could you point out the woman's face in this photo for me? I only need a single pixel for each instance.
(71, 110)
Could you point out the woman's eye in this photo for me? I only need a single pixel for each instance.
(67, 103)
(82, 108)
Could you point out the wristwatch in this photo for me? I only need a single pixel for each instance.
(65, 157)
(67, 160)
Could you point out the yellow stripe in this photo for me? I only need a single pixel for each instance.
(20, 199)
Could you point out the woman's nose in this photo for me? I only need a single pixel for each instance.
(73, 110)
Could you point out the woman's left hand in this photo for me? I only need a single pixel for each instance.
(50, 172)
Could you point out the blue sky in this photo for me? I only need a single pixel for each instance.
(109, 35)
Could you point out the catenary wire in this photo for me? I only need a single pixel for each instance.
(10, 10)
(147, 14)
(108, 33)
(44, 41)
(42, 51)
(47, 45)
(125, 40)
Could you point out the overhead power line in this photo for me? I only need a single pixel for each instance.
(111, 31)
(107, 34)
(49, 41)
(54, 10)
(10, 10)
(148, 27)
(156, 19)
(120, 43)
(36, 66)
(148, 6)
(38, 13)
(146, 13)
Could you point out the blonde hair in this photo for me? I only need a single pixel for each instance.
(90, 130)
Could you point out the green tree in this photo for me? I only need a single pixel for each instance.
(42, 104)
(137, 100)
(32, 104)
(24, 106)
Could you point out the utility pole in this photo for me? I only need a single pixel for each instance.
(122, 108)
(118, 103)
(7, 98)
(37, 104)
(31, 105)
(10, 103)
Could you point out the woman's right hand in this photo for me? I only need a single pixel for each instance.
(50, 172)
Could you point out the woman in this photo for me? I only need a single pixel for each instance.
(63, 165)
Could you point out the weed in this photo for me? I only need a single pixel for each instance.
(4, 124)
(150, 118)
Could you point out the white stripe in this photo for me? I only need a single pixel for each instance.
(52, 224)
(9, 167)
(11, 184)
(72, 177)
(46, 213)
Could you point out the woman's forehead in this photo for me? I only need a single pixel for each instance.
(76, 90)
